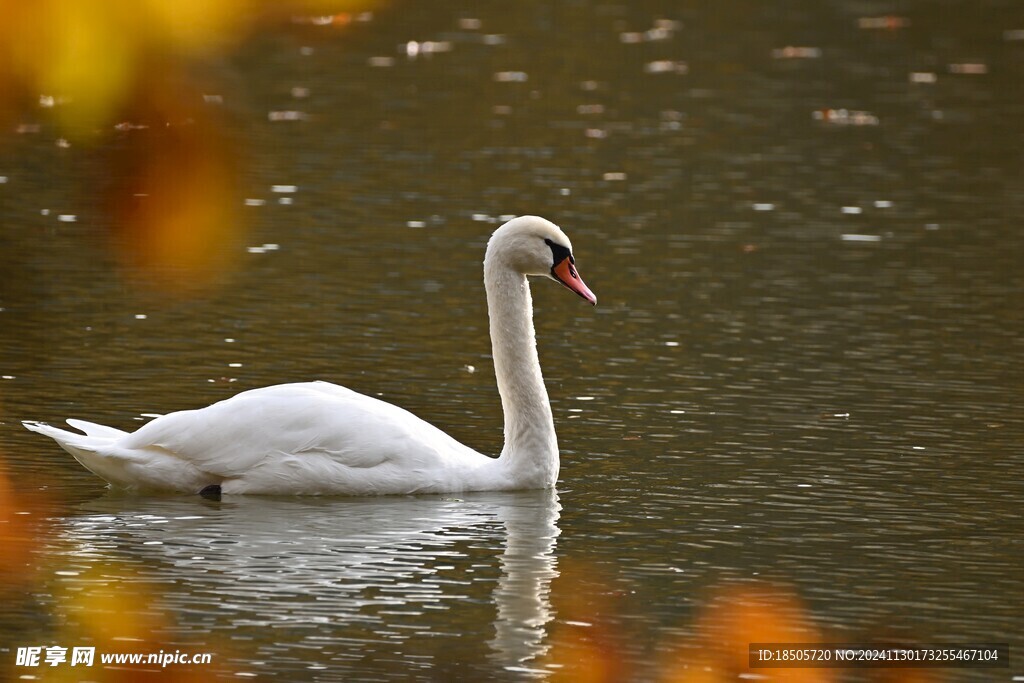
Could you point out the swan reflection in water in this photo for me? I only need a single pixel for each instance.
(358, 572)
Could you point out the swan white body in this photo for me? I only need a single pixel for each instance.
(320, 438)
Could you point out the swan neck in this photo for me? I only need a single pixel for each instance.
(530, 454)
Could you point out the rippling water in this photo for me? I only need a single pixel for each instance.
(804, 370)
(363, 582)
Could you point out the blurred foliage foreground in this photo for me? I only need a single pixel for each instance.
(124, 77)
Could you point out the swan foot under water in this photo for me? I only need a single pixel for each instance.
(212, 492)
(321, 438)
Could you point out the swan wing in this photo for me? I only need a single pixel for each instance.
(306, 438)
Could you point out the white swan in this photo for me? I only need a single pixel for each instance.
(320, 438)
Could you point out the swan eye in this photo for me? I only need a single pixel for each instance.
(559, 252)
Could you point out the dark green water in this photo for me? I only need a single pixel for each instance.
(805, 367)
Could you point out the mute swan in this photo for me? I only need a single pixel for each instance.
(320, 438)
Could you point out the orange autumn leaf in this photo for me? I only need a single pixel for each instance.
(172, 196)
(733, 618)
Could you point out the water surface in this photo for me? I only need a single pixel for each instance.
(804, 370)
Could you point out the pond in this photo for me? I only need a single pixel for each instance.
(795, 412)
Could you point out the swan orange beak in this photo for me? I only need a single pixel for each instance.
(565, 272)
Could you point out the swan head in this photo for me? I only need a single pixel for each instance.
(533, 245)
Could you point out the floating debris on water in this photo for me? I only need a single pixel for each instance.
(614, 176)
(792, 52)
(883, 204)
(671, 120)
(511, 77)
(262, 249)
(854, 237)
(845, 117)
(319, 20)
(288, 115)
(339, 19)
(414, 49)
(888, 22)
(415, 224)
(590, 109)
(970, 68)
(666, 66)
(663, 29)
(284, 189)
(470, 24)
(764, 206)
(298, 92)
(1013, 34)
(255, 202)
(66, 218)
(852, 210)
(381, 61)
(923, 77)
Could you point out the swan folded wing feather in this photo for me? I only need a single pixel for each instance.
(93, 429)
(296, 435)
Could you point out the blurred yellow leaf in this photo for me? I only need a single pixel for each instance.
(197, 25)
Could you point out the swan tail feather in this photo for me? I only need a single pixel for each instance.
(93, 429)
(101, 451)
(91, 449)
(59, 435)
